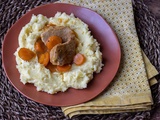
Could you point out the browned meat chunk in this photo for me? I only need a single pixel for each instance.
(63, 53)
(64, 32)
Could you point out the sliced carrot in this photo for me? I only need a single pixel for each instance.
(64, 68)
(79, 59)
(39, 46)
(52, 41)
(51, 67)
(44, 58)
(26, 54)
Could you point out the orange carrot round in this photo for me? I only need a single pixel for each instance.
(51, 67)
(44, 58)
(52, 41)
(39, 46)
(64, 68)
(79, 59)
(26, 54)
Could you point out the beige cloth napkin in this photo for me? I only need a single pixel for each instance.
(130, 89)
(150, 70)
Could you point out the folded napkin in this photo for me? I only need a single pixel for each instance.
(130, 89)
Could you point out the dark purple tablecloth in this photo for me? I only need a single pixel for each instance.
(14, 106)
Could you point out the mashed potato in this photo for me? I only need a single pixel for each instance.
(42, 78)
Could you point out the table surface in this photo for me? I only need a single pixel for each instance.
(13, 105)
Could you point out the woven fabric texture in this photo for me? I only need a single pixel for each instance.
(13, 105)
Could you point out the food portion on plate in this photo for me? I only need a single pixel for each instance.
(57, 53)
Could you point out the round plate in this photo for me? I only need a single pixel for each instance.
(100, 30)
